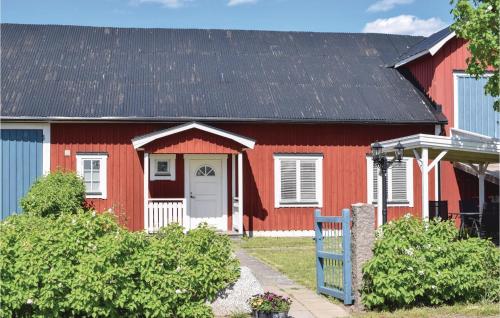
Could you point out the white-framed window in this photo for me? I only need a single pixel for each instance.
(162, 167)
(399, 182)
(298, 180)
(92, 167)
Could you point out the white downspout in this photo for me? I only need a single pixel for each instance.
(233, 189)
(146, 190)
(240, 192)
(379, 196)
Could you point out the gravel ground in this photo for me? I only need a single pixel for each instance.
(234, 298)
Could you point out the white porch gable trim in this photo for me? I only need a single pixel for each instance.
(462, 146)
(140, 141)
(432, 51)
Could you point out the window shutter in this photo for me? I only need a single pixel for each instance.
(288, 179)
(399, 181)
(308, 180)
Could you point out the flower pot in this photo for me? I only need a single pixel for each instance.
(262, 314)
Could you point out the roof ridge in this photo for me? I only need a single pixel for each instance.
(201, 29)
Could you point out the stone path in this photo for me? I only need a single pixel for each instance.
(306, 303)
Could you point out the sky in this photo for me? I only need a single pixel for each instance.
(414, 17)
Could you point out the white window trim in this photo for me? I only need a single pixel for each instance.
(152, 163)
(409, 183)
(456, 75)
(103, 173)
(277, 181)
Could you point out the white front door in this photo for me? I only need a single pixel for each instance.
(206, 193)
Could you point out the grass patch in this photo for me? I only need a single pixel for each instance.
(458, 310)
(295, 257)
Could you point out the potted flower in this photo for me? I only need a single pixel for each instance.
(270, 305)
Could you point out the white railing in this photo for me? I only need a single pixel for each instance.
(236, 213)
(162, 212)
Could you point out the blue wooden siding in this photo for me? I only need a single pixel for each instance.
(21, 155)
(475, 109)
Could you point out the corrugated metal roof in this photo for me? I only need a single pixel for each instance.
(170, 74)
(424, 45)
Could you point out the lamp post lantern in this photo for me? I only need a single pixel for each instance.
(380, 160)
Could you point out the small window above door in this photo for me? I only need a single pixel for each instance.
(205, 171)
(162, 167)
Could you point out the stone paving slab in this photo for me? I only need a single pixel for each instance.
(306, 303)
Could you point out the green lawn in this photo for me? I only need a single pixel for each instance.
(295, 257)
(291, 256)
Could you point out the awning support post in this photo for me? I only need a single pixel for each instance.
(423, 163)
(481, 173)
(425, 182)
(435, 164)
(481, 192)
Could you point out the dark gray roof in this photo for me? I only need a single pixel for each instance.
(51, 72)
(424, 45)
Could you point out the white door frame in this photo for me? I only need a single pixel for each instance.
(187, 182)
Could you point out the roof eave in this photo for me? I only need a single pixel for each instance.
(219, 119)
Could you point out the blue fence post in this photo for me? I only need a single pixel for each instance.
(320, 278)
(346, 246)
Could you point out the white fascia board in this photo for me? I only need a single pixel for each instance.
(432, 51)
(461, 133)
(145, 139)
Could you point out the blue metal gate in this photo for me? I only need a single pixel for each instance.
(333, 255)
(21, 164)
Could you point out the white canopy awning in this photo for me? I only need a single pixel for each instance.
(461, 146)
(475, 150)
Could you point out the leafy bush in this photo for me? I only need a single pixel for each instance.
(424, 263)
(85, 264)
(57, 192)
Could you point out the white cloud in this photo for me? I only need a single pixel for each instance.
(386, 5)
(405, 24)
(165, 3)
(233, 3)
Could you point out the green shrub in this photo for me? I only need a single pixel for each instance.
(424, 263)
(57, 192)
(85, 264)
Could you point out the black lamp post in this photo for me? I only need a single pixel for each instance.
(381, 161)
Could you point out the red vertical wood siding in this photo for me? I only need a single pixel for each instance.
(434, 74)
(344, 148)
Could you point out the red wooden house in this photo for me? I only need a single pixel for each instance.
(246, 130)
